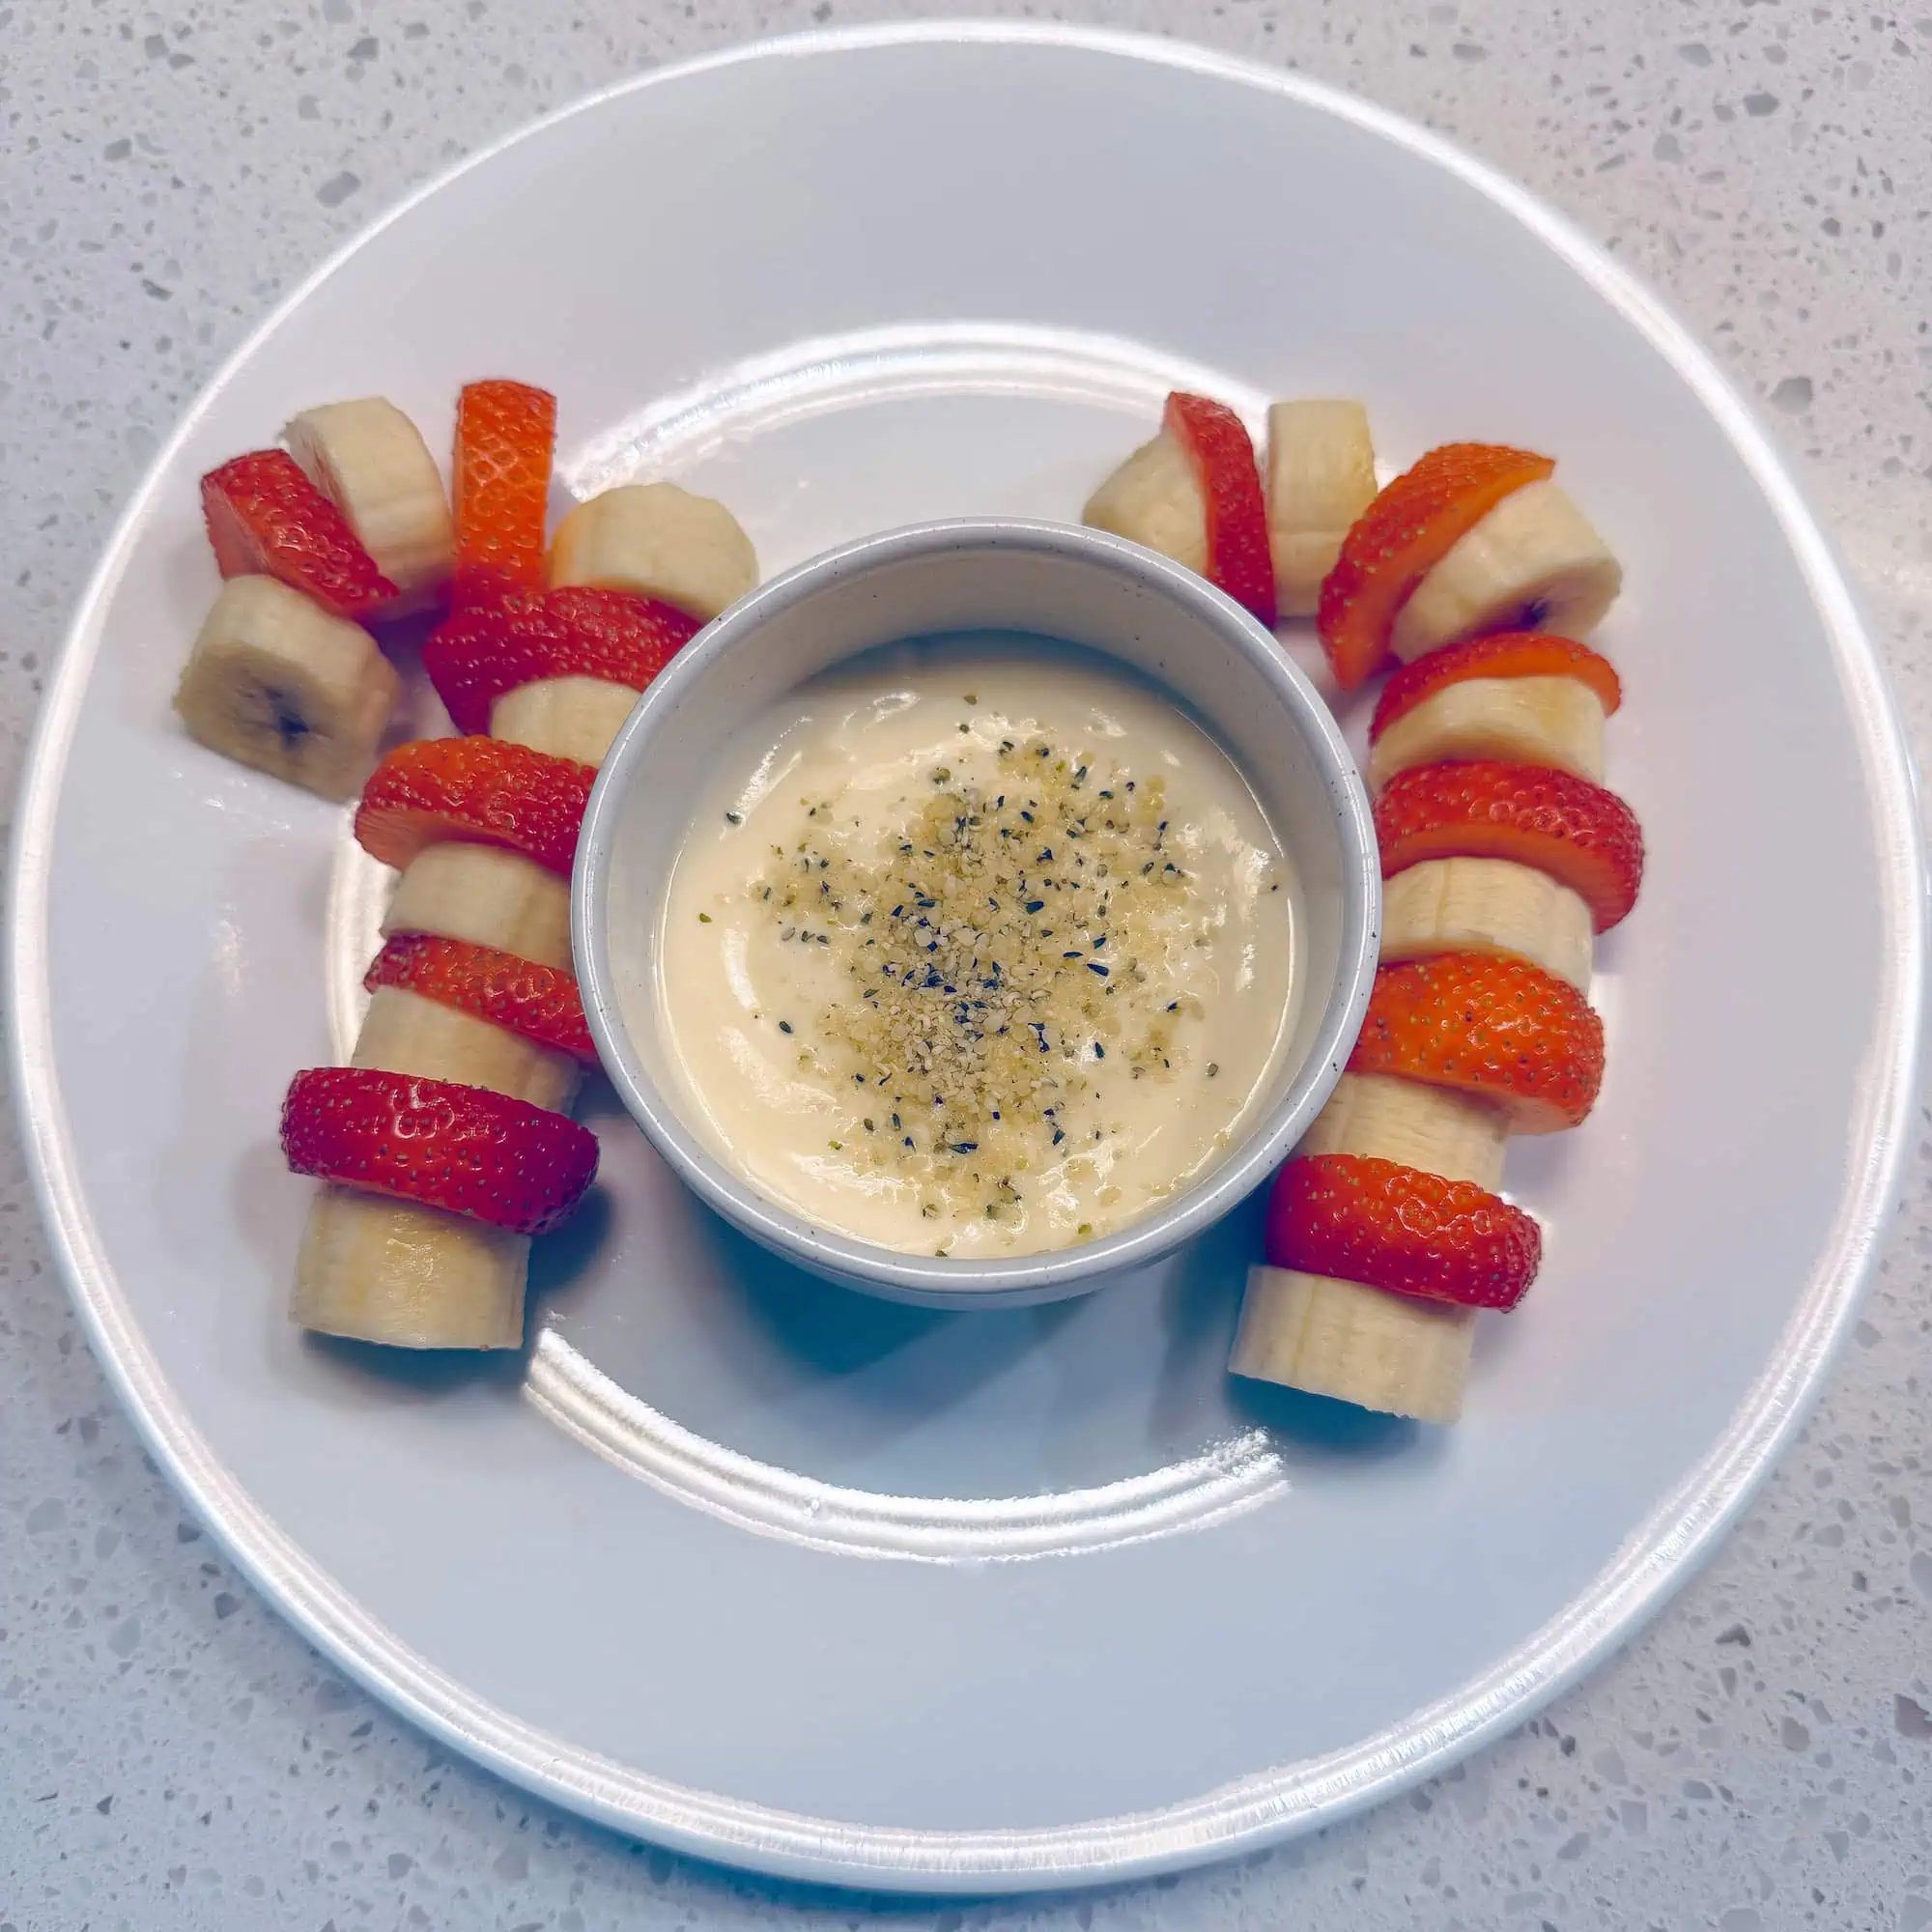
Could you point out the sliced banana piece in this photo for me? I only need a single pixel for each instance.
(1391, 1353)
(1343, 1338)
(277, 683)
(1532, 564)
(487, 896)
(411, 1277)
(370, 461)
(659, 541)
(1525, 721)
(405, 1033)
(567, 717)
(1154, 499)
(1321, 477)
(1428, 1128)
(401, 1273)
(1486, 905)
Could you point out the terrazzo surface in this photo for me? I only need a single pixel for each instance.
(173, 1756)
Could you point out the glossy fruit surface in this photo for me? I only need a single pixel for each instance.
(1497, 1029)
(1409, 529)
(1358, 1218)
(1581, 834)
(265, 519)
(576, 631)
(480, 789)
(462, 1149)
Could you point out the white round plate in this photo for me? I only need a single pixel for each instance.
(855, 1592)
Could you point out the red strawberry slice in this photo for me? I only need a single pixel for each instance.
(1402, 536)
(1505, 654)
(576, 631)
(505, 445)
(462, 1149)
(539, 1002)
(1395, 1228)
(1581, 835)
(1495, 1029)
(480, 789)
(1218, 444)
(265, 519)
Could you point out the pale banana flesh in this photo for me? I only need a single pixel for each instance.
(1557, 722)
(659, 541)
(568, 717)
(1534, 563)
(1346, 1338)
(1428, 1128)
(280, 684)
(411, 1277)
(487, 896)
(405, 1033)
(1154, 499)
(393, 1271)
(1486, 905)
(401, 1273)
(1321, 477)
(370, 461)
(1392, 1352)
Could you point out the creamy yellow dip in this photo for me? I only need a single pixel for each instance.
(976, 954)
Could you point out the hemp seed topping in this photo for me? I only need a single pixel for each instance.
(973, 1007)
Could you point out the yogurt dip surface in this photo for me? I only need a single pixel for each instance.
(978, 947)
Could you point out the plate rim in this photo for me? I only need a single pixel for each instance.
(1265, 1806)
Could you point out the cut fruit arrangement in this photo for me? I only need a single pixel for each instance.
(444, 1144)
(1502, 853)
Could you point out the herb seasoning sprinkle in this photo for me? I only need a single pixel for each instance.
(970, 1017)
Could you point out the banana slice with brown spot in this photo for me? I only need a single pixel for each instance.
(280, 684)
(1534, 563)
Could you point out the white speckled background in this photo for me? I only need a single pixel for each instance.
(172, 1756)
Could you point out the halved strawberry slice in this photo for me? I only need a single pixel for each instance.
(462, 1149)
(1495, 1029)
(1409, 529)
(1581, 835)
(1361, 1219)
(1504, 654)
(576, 631)
(481, 790)
(539, 1002)
(1217, 442)
(505, 441)
(265, 519)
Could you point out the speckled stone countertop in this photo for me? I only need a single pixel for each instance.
(171, 1755)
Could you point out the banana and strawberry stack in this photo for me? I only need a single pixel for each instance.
(444, 1144)
(1501, 854)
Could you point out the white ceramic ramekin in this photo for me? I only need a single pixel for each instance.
(1052, 581)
